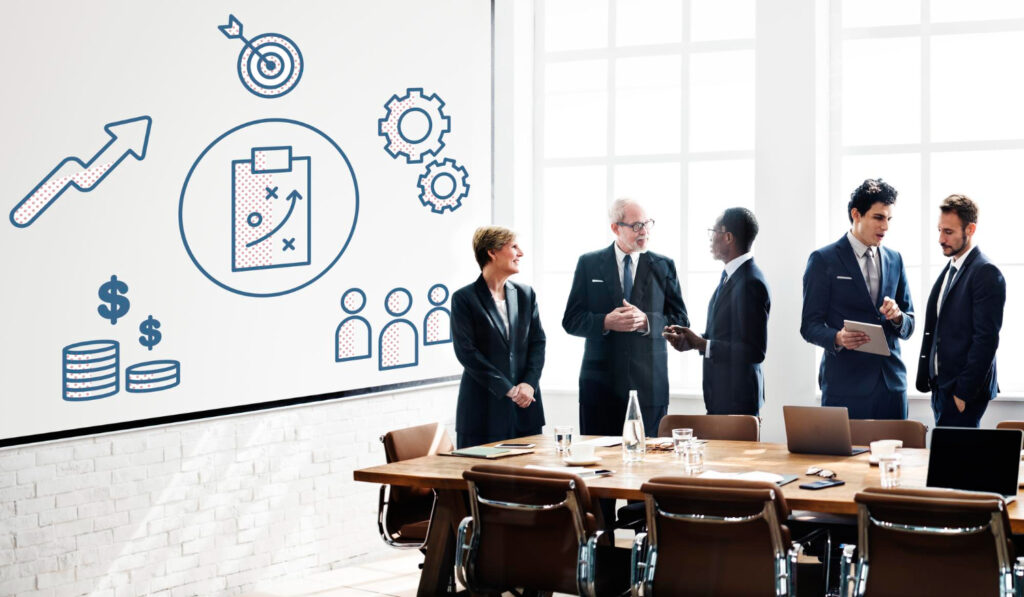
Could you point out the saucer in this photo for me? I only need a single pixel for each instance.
(581, 461)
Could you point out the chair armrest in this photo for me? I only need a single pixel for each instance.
(586, 576)
(638, 565)
(847, 577)
(796, 549)
(462, 551)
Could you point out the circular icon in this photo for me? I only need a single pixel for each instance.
(437, 294)
(353, 301)
(270, 65)
(398, 302)
(268, 207)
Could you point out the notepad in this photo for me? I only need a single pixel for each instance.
(575, 470)
(485, 452)
(779, 480)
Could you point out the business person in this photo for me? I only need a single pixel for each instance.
(962, 322)
(622, 296)
(498, 339)
(736, 337)
(857, 279)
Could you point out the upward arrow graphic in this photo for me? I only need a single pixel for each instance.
(127, 138)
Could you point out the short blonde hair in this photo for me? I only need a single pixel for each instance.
(490, 238)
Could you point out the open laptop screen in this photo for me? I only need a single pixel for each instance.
(975, 459)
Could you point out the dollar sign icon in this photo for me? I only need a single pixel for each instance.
(113, 292)
(150, 336)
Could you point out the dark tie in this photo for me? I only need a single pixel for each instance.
(933, 364)
(714, 297)
(627, 277)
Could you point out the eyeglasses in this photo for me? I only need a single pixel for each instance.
(638, 226)
(824, 473)
(712, 232)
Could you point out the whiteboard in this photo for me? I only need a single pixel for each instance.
(216, 207)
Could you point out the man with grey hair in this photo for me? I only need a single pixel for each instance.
(622, 297)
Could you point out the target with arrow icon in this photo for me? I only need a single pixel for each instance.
(270, 65)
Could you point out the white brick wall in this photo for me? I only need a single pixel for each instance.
(204, 508)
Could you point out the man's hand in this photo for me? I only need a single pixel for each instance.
(674, 335)
(960, 404)
(891, 311)
(851, 340)
(521, 394)
(695, 340)
(626, 318)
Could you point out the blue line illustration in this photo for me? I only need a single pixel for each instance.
(127, 138)
(403, 115)
(398, 342)
(443, 186)
(90, 370)
(437, 323)
(152, 376)
(269, 65)
(349, 336)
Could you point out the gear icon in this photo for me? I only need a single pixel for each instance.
(443, 186)
(405, 137)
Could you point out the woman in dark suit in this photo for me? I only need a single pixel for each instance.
(499, 341)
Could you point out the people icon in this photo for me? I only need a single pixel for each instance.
(437, 325)
(352, 338)
(398, 342)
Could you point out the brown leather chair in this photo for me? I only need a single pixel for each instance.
(404, 513)
(1010, 425)
(745, 428)
(929, 542)
(714, 537)
(865, 431)
(536, 530)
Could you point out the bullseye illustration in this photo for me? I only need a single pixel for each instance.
(269, 65)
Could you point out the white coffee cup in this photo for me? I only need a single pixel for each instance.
(885, 447)
(582, 451)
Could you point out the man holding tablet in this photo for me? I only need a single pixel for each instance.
(857, 279)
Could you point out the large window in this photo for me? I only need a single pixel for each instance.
(929, 95)
(650, 99)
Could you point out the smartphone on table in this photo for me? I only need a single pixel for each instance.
(822, 484)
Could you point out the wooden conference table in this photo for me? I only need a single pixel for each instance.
(444, 473)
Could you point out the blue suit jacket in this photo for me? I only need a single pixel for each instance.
(738, 330)
(967, 330)
(617, 362)
(493, 362)
(835, 290)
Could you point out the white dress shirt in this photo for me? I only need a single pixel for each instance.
(634, 258)
(859, 249)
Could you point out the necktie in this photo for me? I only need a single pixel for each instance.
(872, 275)
(933, 357)
(627, 277)
(714, 297)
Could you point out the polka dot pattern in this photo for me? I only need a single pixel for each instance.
(251, 197)
(84, 180)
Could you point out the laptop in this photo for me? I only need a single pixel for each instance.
(819, 430)
(975, 459)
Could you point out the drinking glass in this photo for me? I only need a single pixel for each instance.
(693, 457)
(563, 439)
(679, 438)
(889, 470)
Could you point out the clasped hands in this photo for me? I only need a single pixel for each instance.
(683, 339)
(521, 394)
(626, 318)
(852, 340)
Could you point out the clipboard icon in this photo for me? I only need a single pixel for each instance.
(270, 210)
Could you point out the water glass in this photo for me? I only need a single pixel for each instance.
(563, 439)
(693, 457)
(679, 438)
(889, 470)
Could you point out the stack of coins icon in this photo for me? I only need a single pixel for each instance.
(91, 370)
(152, 376)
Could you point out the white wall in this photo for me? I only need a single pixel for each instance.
(205, 508)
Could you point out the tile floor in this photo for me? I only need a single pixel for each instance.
(394, 574)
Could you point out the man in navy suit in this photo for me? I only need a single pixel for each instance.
(736, 337)
(961, 325)
(621, 298)
(857, 279)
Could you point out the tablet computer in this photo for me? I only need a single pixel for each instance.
(877, 344)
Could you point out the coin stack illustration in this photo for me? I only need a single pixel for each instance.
(91, 370)
(152, 376)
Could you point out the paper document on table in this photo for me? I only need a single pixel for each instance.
(602, 442)
(747, 476)
(575, 470)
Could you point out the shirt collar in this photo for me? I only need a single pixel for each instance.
(619, 254)
(959, 261)
(859, 248)
(732, 266)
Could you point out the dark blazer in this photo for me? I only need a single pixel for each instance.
(967, 330)
(616, 362)
(835, 290)
(493, 363)
(738, 331)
